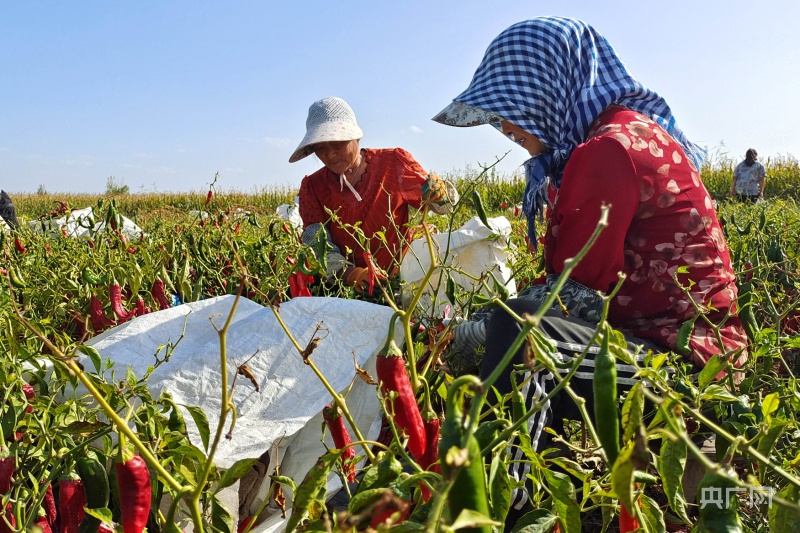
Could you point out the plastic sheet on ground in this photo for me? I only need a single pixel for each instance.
(84, 223)
(291, 214)
(285, 416)
(473, 250)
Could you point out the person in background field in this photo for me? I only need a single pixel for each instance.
(749, 177)
(557, 88)
(7, 210)
(374, 188)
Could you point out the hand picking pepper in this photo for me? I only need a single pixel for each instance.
(341, 439)
(71, 501)
(393, 378)
(133, 480)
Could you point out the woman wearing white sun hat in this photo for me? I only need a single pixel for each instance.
(371, 188)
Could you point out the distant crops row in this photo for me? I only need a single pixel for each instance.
(498, 190)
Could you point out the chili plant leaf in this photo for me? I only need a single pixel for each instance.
(500, 488)
(652, 515)
(310, 489)
(201, 422)
(710, 371)
(93, 354)
(783, 519)
(622, 476)
(563, 492)
(537, 521)
(671, 468)
(221, 518)
(632, 411)
(236, 471)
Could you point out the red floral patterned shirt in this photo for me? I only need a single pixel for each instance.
(391, 184)
(661, 219)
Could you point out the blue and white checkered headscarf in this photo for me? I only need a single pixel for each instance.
(552, 77)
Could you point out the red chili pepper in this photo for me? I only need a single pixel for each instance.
(627, 523)
(160, 295)
(43, 523)
(6, 473)
(393, 377)
(748, 271)
(6, 470)
(209, 196)
(341, 439)
(246, 522)
(298, 284)
(27, 389)
(115, 295)
(132, 250)
(428, 460)
(140, 308)
(71, 501)
(98, 316)
(49, 505)
(374, 271)
(18, 245)
(133, 479)
(386, 507)
(236, 229)
(503, 204)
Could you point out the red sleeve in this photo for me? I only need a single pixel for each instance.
(598, 172)
(312, 209)
(411, 177)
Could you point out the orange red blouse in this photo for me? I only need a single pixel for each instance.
(392, 183)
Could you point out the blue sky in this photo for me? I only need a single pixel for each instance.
(162, 95)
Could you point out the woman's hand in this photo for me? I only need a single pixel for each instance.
(434, 190)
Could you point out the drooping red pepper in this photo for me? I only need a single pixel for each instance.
(43, 523)
(115, 295)
(160, 295)
(133, 479)
(627, 523)
(18, 245)
(99, 319)
(140, 308)
(71, 501)
(341, 439)
(298, 284)
(6, 470)
(209, 196)
(428, 460)
(29, 393)
(6, 473)
(393, 378)
(387, 506)
(49, 505)
(374, 272)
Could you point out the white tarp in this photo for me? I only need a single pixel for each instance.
(471, 251)
(83, 223)
(285, 416)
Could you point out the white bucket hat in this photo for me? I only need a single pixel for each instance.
(329, 119)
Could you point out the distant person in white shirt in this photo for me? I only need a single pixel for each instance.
(748, 178)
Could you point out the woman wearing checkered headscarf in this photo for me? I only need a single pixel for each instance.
(557, 88)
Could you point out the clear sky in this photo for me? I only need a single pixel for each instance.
(162, 95)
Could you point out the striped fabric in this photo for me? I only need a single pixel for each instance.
(552, 77)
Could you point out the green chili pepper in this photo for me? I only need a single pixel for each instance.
(746, 315)
(684, 336)
(478, 201)
(91, 277)
(606, 414)
(16, 278)
(95, 482)
(467, 474)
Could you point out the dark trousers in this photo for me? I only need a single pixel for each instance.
(570, 337)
